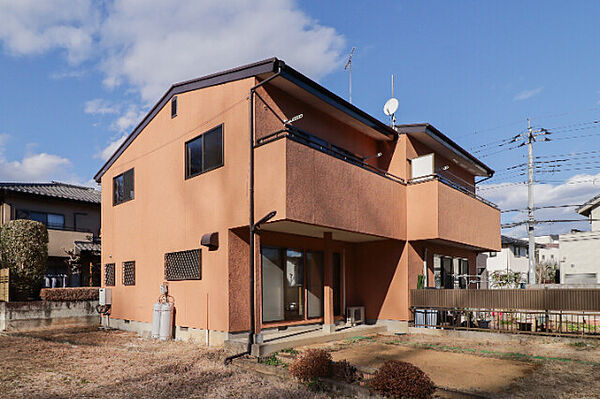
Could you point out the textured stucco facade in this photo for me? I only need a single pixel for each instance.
(364, 211)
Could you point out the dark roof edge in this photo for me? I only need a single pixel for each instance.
(587, 207)
(230, 75)
(6, 190)
(451, 143)
(246, 71)
(333, 99)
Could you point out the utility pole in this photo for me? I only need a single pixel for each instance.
(528, 140)
(348, 67)
(530, 215)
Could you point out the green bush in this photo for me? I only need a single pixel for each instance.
(397, 379)
(24, 250)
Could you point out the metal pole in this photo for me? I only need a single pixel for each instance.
(350, 82)
(531, 218)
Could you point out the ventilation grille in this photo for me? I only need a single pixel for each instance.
(109, 274)
(129, 273)
(183, 265)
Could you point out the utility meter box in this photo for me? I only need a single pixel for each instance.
(104, 296)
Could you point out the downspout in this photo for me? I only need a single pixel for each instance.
(251, 225)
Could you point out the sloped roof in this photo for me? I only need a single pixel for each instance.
(55, 190)
(517, 242)
(587, 207)
(91, 246)
(261, 70)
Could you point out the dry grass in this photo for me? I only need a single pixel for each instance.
(112, 364)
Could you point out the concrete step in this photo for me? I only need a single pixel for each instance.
(314, 337)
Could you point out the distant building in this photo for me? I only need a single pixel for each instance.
(512, 258)
(580, 251)
(72, 215)
(548, 248)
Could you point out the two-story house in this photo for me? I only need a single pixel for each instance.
(580, 250)
(512, 258)
(72, 215)
(265, 201)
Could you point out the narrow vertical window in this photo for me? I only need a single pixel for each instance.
(174, 107)
(109, 274)
(129, 273)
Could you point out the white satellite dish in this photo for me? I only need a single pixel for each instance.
(390, 107)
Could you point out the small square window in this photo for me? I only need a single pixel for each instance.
(129, 273)
(204, 152)
(123, 187)
(174, 107)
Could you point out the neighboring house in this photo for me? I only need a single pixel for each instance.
(580, 250)
(548, 248)
(352, 227)
(72, 215)
(513, 257)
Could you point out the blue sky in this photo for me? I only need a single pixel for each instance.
(76, 76)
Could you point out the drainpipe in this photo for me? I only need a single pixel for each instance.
(251, 224)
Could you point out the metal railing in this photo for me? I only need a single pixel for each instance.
(454, 185)
(302, 137)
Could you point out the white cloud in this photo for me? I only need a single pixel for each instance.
(147, 46)
(526, 94)
(110, 148)
(29, 27)
(99, 106)
(32, 167)
(574, 191)
(164, 42)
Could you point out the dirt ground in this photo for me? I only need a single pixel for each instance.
(498, 367)
(100, 364)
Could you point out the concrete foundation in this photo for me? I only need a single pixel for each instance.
(180, 333)
(26, 316)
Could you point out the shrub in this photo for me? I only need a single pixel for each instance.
(399, 379)
(344, 371)
(24, 250)
(69, 294)
(314, 363)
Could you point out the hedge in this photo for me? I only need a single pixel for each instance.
(24, 250)
(70, 294)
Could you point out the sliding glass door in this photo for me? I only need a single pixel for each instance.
(291, 291)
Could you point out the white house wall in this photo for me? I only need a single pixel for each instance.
(580, 253)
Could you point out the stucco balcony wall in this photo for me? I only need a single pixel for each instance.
(438, 211)
(308, 186)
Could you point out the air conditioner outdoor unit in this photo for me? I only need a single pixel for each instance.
(355, 315)
(104, 297)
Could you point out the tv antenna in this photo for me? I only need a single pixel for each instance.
(348, 67)
(391, 106)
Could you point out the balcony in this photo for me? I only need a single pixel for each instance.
(312, 182)
(61, 240)
(440, 209)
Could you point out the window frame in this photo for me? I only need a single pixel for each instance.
(115, 202)
(28, 212)
(201, 136)
(123, 281)
(174, 105)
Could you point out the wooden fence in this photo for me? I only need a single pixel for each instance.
(579, 300)
(4, 276)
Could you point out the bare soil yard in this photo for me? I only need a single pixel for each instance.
(100, 364)
(495, 366)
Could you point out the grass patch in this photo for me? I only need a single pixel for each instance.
(291, 351)
(272, 360)
(502, 355)
(359, 338)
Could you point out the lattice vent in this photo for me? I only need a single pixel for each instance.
(129, 273)
(109, 274)
(183, 265)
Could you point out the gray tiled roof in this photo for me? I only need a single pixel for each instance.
(92, 246)
(587, 207)
(55, 190)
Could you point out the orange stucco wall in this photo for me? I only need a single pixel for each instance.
(438, 211)
(170, 213)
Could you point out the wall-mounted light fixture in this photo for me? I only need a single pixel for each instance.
(211, 241)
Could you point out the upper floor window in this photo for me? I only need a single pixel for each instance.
(174, 107)
(123, 187)
(50, 220)
(204, 152)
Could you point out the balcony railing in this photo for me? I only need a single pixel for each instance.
(321, 145)
(454, 185)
